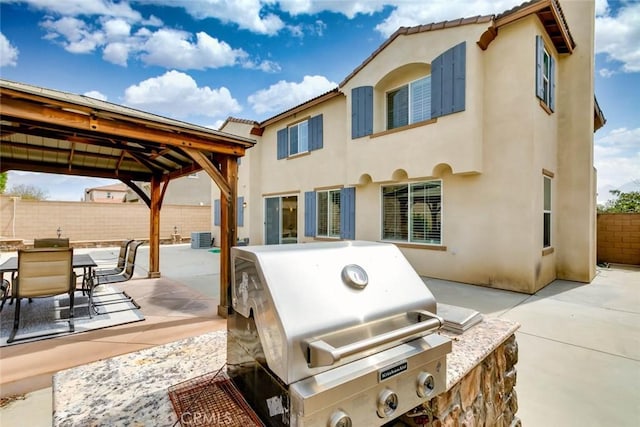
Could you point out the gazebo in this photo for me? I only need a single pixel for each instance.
(45, 130)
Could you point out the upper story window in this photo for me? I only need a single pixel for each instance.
(439, 94)
(300, 137)
(545, 75)
(409, 104)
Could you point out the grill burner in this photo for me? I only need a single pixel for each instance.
(332, 334)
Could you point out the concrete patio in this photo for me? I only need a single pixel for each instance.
(579, 344)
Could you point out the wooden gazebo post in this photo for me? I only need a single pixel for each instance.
(154, 227)
(228, 230)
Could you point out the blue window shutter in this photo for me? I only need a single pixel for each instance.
(552, 83)
(240, 211)
(310, 213)
(459, 76)
(283, 142)
(348, 213)
(448, 75)
(216, 212)
(436, 87)
(361, 111)
(539, 64)
(315, 133)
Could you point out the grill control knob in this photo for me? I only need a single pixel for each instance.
(387, 403)
(425, 384)
(339, 419)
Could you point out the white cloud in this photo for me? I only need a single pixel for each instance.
(176, 94)
(606, 73)
(96, 94)
(175, 49)
(412, 13)
(8, 52)
(348, 8)
(617, 157)
(284, 95)
(78, 36)
(85, 7)
(247, 14)
(619, 36)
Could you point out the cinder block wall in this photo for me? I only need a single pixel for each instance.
(619, 238)
(27, 219)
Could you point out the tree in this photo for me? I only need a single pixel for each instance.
(623, 203)
(28, 192)
(3, 182)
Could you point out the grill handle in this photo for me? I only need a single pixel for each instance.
(321, 353)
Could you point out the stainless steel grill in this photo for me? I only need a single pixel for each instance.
(332, 334)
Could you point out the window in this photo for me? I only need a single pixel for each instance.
(412, 212)
(409, 104)
(546, 213)
(299, 138)
(328, 215)
(545, 75)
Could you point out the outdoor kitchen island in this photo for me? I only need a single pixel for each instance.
(132, 389)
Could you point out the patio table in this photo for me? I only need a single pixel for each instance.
(83, 261)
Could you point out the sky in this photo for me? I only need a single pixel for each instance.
(202, 61)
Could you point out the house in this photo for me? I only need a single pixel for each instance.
(113, 193)
(190, 190)
(467, 143)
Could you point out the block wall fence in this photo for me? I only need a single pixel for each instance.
(95, 222)
(619, 238)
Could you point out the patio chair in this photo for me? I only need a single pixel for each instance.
(122, 259)
(125, 275)
(52, 242)
(43, 272)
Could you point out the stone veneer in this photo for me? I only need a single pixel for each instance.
(484, 397)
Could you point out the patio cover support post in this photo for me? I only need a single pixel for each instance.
(154, 226)
(228, 231)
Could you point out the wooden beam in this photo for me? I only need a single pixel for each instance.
(211, 170)
(22, 110)
(139, 191)
(63, 168)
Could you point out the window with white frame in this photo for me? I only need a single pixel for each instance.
(328, 215)
(299, 138)
(545, 75)
(412, 212)
(409, 104)
(546, 213)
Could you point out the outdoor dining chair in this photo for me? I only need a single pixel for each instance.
(122, 259)
(125, 275)
(43, 272)
(52, 242)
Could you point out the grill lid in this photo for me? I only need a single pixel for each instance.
(309, 298)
